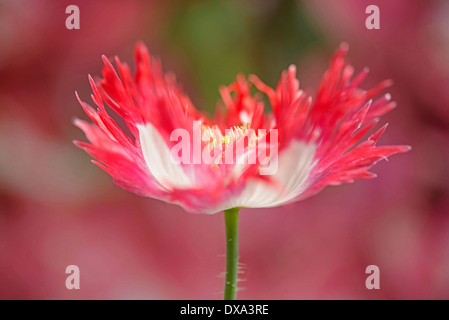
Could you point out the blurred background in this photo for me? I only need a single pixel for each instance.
(58, 209)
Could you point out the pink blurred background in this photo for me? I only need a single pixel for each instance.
(58, 209)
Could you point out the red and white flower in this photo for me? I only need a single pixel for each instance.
(318, 143)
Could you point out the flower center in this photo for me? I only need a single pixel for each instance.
(214, 136)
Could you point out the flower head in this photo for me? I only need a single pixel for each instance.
(243, 157)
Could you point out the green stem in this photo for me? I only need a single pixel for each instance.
(232, 252)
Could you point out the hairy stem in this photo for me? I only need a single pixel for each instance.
(232, 252)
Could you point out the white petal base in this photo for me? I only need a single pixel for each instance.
(294, 166)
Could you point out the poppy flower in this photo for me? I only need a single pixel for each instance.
(242, 157)
(308, 143)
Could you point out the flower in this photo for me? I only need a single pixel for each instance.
(313, 144)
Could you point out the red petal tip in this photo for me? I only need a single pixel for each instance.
(406, 148)
(76, 121)
(78, 98)
(344, 46)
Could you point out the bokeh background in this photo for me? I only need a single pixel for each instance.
(58, 209)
